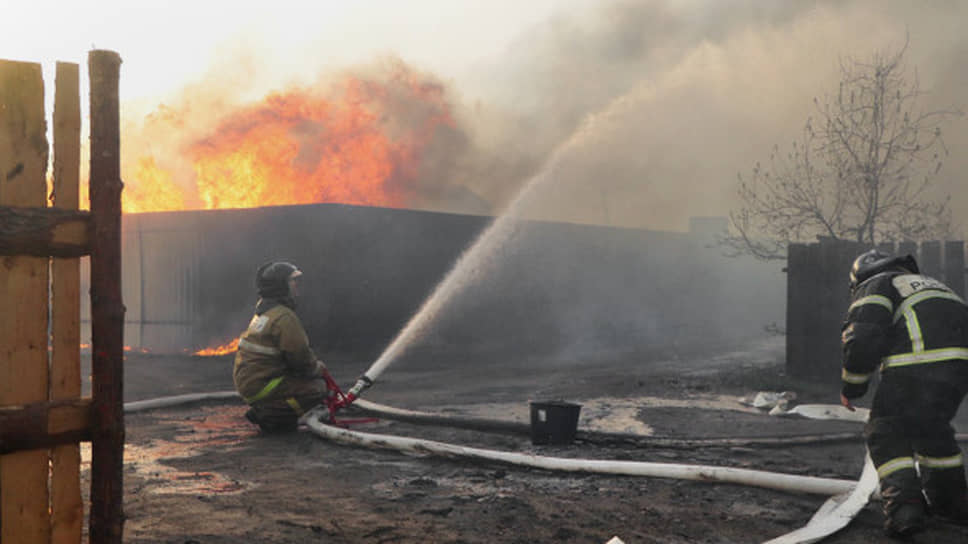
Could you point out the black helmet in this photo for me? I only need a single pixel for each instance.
(873, 262)
(272, 279)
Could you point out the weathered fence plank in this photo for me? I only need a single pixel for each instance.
(796, 317)
(107, 310)
(44, 232)
(24, 501)
(44, 424)
(908, 248)
(930, 261)
(67, 506)
(954, 266)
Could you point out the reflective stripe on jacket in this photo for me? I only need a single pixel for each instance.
(272, 348)
(898, 319)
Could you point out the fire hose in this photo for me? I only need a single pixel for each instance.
(847, 497)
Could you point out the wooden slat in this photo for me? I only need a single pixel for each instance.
(44, 424)
(67, 507)
(44, 232)
(107, 310)
(796, 318)
(954, 266)
(23, 288)
(908, 248)
(930, 261)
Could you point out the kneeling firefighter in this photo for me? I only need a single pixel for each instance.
(275, 371)
(915, 328)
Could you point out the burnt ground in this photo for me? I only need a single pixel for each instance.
(202, 474)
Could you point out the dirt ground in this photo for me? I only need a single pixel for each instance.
(202, 474)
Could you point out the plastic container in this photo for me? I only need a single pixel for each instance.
(554, 422)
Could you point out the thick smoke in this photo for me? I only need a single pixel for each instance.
(673, 99)
(707, 89)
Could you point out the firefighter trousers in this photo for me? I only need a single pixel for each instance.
(910, 437)
(281, 410)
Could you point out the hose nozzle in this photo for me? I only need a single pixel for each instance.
(361, 385)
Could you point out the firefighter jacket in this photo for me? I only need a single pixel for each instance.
(272, 349)
(898, 319)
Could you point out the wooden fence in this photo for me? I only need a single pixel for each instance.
(43, 418)
(818, 295)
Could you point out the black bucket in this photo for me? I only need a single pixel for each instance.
(554, 422)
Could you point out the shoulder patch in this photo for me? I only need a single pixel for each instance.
(258, 323)
(908, 284)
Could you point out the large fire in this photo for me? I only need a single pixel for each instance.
(361, 143)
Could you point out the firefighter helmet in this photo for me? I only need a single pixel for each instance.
(873, 262)
(272, 279)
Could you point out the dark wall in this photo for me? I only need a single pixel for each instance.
(553, 290)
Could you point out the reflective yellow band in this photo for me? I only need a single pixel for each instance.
(914, 330)
(291, 401)
(850, 377)
(265, 390)
(927, 356)
(246, 345)
(954, 461)
(924, 295)
(894, 465)
(879, 300)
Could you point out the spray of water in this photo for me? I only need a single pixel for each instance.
(475, 260)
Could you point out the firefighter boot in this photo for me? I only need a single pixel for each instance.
(904, 510)
(271, 421)
(250, 415)
(947, 493)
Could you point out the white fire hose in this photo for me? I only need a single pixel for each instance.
(847, 497)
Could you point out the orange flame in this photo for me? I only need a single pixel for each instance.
(154, 190)
(361, 145)
(224, 349)
(87, 347)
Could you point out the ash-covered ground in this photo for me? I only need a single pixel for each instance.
(202, 474)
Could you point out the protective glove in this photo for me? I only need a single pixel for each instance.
(853, 390)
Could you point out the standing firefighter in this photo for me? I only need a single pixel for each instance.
(275, 371)
(916, 329)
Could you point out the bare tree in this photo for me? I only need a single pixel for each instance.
(861, 170)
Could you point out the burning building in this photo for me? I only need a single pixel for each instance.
(333, 178)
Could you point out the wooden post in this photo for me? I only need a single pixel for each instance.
(796, 320)
(954, 266)
(831, 302)
(67, 507)
(930, 261)
(886, 247)
(24, 516)
(908, 248)
(107, 310)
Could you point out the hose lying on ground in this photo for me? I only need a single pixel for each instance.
(848, 497)
(837, 512)
(771, 480)
(594, 437)
(165, 402)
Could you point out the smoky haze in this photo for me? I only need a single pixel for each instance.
(676, 97)
(707, 89)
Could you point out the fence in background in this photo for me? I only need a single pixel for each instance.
(818, 295)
